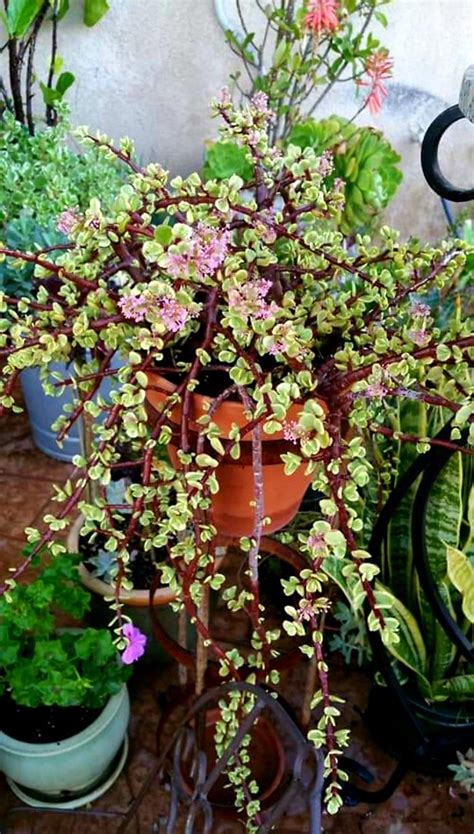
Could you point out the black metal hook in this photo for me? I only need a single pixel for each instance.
(430, 162)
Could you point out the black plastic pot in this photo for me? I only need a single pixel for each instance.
(424, 736)
(445, 728)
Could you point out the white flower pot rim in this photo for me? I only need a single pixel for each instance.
(56, 748)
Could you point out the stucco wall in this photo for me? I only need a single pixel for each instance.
(149, 69)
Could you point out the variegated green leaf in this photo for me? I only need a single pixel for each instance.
(461, 574)
(410, 649)
(399, 556)
(443, 518)
(459, 688)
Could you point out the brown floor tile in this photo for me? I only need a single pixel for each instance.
(21, 501)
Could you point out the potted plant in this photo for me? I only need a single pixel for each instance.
(423, 543)
(65, 707)
(44, 180)
(250, 301)
(297, 53)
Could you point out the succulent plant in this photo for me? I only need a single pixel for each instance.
(363, 159)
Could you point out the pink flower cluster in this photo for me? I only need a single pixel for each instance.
(173, 314)
(326, 164)
(207, 253)
(293, 433)
(134, 307)
(250, 299)
(322, 16)
(379, 67)
(66, 221)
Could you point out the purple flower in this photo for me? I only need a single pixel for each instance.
(136, 643)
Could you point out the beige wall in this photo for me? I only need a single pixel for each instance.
(149, 69)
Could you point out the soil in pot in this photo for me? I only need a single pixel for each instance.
(43, 725)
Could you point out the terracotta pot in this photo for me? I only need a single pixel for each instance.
(267, 758)
(232, 512)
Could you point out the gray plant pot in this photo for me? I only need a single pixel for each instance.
(43, 411)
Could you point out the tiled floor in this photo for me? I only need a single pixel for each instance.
(420, 805)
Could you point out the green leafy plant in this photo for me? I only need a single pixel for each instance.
(41, 665)
(425, 651)
(246, 294)
(23, 20)
(41, 177)
(300, 50)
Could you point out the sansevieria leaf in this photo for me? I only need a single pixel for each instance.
(461, 574)
(459, 688)
(443, 517)
(410, 649)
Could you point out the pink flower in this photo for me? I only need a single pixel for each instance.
(210, 249)
(207, 252)
(250, 299)
(134, 307)
(326, 164)
(419, 308)
(173, 314)
(321, 16)
(317, 544)
(136, 643)
(379, 67)
(177, 265)
(419, 336)
(224, 98)
(66, 221)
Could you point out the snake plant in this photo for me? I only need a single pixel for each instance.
(425, 652)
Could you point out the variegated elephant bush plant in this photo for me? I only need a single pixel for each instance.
(256, 297)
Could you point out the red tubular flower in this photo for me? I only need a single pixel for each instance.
(321, 16)
(378, 67)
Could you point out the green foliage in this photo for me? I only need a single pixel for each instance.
(224, 159)
(295, 66)
(41, 176)
(23, 20)
(43, 666)
(427, 650)
(248, 293)
(363, 159)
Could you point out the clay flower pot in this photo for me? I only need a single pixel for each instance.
(232, 511)
(268, 763)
